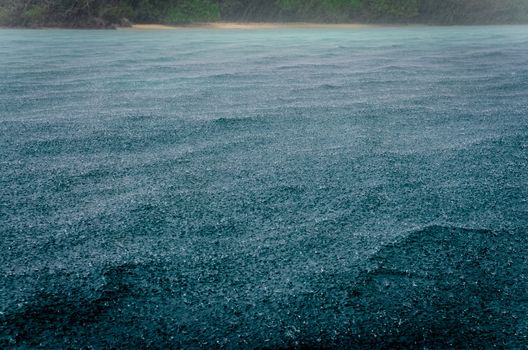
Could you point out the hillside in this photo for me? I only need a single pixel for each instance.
(101, 13)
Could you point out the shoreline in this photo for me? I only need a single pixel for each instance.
(249, 25)
(255, 26)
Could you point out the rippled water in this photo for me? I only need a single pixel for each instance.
(276, 188)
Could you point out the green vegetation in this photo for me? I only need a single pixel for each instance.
(191, 11)
(393, 9)
(316, 10)
(104, 13)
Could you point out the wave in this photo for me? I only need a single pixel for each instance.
(232, 121)
(442, 285)
(488, 54)
(329, 87)
(436, 285)
(97, 316)
(303, 66)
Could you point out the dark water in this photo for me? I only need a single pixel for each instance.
(278, 188)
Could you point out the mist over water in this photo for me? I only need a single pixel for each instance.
(276, 188)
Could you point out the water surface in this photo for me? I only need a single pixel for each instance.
(275, 188)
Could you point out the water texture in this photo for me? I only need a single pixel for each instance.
(282, 188)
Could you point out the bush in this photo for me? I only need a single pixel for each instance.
(391, 9)
(114, 13)
(35, 15)
(5, 16)
(319, 10)
(192, 11)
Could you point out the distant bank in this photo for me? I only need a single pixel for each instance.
(123, 13)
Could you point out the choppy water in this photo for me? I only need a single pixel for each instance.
(273, 188)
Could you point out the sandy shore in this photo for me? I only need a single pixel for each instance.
(237, 25)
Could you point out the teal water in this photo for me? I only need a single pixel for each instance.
(264, 188)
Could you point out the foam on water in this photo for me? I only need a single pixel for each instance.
(227, 187)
